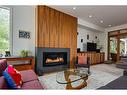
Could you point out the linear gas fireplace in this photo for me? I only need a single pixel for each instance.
(52, 59)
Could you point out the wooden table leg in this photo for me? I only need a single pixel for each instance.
(82, 85)
(69, 85)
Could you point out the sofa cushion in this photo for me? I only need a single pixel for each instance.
(28, 75)
(35, 84)
(3, 65)
(119, 83)
(13, 77)
(3, 83)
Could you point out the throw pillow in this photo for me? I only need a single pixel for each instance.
(82, 59)
(13, 77)
(3, 66)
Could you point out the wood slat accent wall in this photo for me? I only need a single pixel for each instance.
(56, 30)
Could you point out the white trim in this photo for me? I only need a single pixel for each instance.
(119, 27)
(90, 25)
(11, 31)
(4, 7)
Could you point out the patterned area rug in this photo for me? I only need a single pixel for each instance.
(100, 75)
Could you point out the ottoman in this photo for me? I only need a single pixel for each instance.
(125, 72)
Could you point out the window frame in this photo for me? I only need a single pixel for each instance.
(10, 29)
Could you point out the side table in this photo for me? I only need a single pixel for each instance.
(20, 62)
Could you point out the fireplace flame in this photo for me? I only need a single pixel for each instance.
(58, 59)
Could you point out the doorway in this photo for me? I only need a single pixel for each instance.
(113, 49)
(117, 45)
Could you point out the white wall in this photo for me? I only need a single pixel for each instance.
(82, 34)
(23, 19)
(104, 42)
(93, 30)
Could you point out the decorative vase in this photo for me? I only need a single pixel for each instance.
(24, 53)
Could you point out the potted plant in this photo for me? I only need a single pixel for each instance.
(25, 53)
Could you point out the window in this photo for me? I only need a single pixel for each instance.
(4, 30)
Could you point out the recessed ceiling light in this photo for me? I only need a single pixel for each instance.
(101, 21)
(109, 25)
(74, 8)
(90, 16)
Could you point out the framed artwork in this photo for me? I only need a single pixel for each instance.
(24, 34)
(81, 40)
(7, 53)
(95, 37)
(87, 37)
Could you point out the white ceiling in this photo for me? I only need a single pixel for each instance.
(111, 15)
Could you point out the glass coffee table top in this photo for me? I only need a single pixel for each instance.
(71, 75)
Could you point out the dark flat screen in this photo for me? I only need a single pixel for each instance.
(91, 46)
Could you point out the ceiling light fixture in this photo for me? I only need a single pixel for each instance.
(101, 21)
(109, 25)
(90, 16)
(74, 8)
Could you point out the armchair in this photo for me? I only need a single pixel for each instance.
(83, 61)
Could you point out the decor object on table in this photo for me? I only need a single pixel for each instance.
(1, 55)
(25, 53)
(7, 53)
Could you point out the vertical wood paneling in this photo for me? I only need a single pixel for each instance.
(64, 33)
(102, 57)
(90, 57)
(54, 27)
(73, 42)
(56, 30)
(93, 58)
(43, 30)
(45, 27)
(97, 57)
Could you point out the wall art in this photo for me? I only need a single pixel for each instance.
(24, 34)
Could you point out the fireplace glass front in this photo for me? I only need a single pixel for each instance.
(54, 58)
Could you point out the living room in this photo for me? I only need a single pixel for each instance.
(45, 32)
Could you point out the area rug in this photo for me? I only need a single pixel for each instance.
(100, 75)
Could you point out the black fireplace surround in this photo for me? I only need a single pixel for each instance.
(51, 59)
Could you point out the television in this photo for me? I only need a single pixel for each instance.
(91, 46)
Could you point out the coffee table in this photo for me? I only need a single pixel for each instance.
(72, 75)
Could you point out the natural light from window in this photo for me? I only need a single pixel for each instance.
(4, 30)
